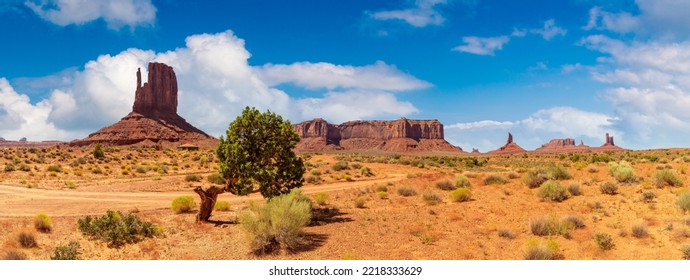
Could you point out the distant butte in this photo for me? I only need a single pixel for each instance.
(509, 148)
(400, 135)
(154, 119)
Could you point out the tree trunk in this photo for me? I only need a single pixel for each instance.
(208, 200)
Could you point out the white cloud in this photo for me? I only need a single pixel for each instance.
(481, 124)
(661, 19)
(215, 82)
(116, 13)
(482, 46)
(549, 30)
(617, 22)
(326, 75)
(423, 14)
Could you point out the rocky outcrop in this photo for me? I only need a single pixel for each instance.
(400, 135)
(609, 145)
(23, 139)
(566, 145)
(475, 151)
(154, 119)
(509, 148)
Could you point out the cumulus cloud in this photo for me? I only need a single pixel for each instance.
(330, 76)
(215, 82)
(116, 13)
(482, 46)
(424, 13)
(549, 30)
(666, 19)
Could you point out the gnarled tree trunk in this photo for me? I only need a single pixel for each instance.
(208, 200)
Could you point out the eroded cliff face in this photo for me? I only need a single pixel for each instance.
(154, 118)
(400, 135)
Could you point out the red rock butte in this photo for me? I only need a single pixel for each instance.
(400, 135)
(154, 119)
(509, 148)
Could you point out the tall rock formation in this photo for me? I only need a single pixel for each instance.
(509, 148)
(400, 135)
(609, 145)
(154, 119)
(566, 145)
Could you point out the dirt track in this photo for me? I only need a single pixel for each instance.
(20, 201)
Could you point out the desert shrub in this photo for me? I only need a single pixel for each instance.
(320, 198)
(27, 240)
(341, 165)
(461, 194)
(356, 166)
(574, 189)
(55, 168)
(140, 169)
(604, 241)
(683, 201)
(431, 198)
(639, 231)
(182, 204)
(555, 172)
(43, 223)
(313, 179)
(382, 195)
(445, 185)
(513, 175)
(315, 172)
(406, 191)
(574, 222)
(98, 152)
(66, 252)
(382, 188)
(686, 252)
(70, 185)
(215, 178)
(541, 250)
(10, 167)
(277, 224)
(535, 177)
(494, 179)
(592, 169)
(116, 228)
(461, 181)
(666, 178)
(648, 197)
(622, 171)
(14, 256)
(359, 202)
(506, 233)
(553, 191)
(192, 178)
(608, 188)
(221, 205)
(366, 171)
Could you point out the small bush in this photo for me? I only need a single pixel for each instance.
(182, 204)
(686, 252)
(98, 152)
(55, 168)
(366, 171)
(648, 197)
(513, 175)
(553, 191)
(27, 240)
(460, 195)
(506, 233)
(192, 178)
(313, 179)
(541, 250)
(535, 177)
(341, 165)
(555, 172)
(116, 228)
(43, 223)
(215, 179)
(494, 179)
(406, 191)
(320, 198)
(70, 185)
(141, 169)
(277, 224)
(382, 194)
(639, 231)
(67, 252)
(608, 188)
(622, 172)
(461, 181)
(445, 185)
(604, 241)
(14, 256)
(574, 189)
(574, 222)
(10, 167)
(683, 201)
(221, 205)
(667, 178)
(431, 198)
(359, 202)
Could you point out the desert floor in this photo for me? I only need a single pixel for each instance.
(69, 183)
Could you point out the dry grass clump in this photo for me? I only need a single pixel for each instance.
(495, 179)
(548, 226)
(640, 231)
(667, 178)
(506, 233)
(221, 205)
(320, 198)
(14, 256)
(461, 181)
(553, 191)
(608, 188)
(539, 250)
(574, 189)
(27, 240)
(446, 185)
(183, 204)
(604, 241)
(43, 223)
(431, 198)
(622, 171)
(406, 191)
(683, 201)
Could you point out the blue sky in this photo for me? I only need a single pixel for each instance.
(539, 69)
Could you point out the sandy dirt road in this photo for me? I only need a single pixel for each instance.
(19, 201)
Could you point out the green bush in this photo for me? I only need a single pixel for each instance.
(341, 165)
(315, 172)
(70, 185)
(67, 252)
(494, 179)
(98, 152)
(460, 195)
(445, 185)
(221, 205)
(43, 223)
(555, 172)
(683, 201)
(667, 178)
(604, 241)
(55, 168)
(216, 179)
(622, 172)
(461, 181)
(320, 198)
(608, 188)
(117, 229)
(27, 240)
(553, 191)
(406, 191)
(359, 202)
(277, 224)
(182, 204)
(382, 188)
(542, 250)
(141, 169)
(366, 171)
(10, 167)
(192, 178)
(382, 194)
